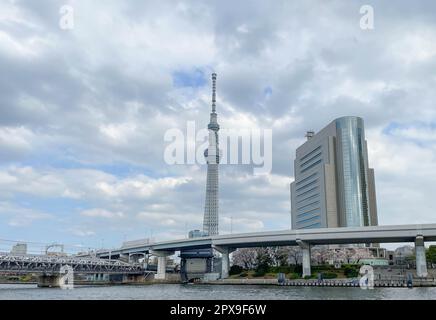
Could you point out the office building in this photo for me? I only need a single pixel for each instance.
(19, 249)
(334, 187)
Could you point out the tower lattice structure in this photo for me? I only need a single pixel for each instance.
(210, 221)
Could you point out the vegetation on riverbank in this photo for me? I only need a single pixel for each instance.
(17, 278)
(269, 262)
(295, 271)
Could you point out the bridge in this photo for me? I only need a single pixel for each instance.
(225, 244)
(52, 265)
(49, 267)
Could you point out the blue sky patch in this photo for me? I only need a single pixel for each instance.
(189, 78)
(267, 92)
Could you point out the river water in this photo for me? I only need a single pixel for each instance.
(212, 292)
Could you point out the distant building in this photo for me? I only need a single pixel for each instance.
(196, 234)
(19, 249)
(404, 255)
(334, 187)
(405, 251)
(195, 263)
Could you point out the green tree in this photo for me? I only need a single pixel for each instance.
(431, 254)
(263, 262)
(235, 269)
(351, 271)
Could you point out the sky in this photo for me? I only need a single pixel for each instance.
(84, 110)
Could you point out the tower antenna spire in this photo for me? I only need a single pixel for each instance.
(213, 92)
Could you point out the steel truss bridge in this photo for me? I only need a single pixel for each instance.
(52, 265)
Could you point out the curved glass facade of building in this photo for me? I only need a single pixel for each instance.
(352, 172)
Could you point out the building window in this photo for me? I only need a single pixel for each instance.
(311, 166)
(310, 153)
(307, 162)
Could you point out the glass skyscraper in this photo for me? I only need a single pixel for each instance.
(334, 187)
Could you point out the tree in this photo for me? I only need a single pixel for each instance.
(348, 254)
(431, 254)
(351, 271)
(235, 269)
(278, 255)
(319, 255)
(335, 255)
(294, 255)
(263, 261)
(362, 253)
(245, 257)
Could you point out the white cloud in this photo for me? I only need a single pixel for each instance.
(140, 186)
(404, 179)
(101, 213)
(15, 142)
(18, 216)
(82, 232)
(417, 133)
(83, 114)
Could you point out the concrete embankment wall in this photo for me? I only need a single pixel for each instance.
(242, 281)
(324, 283)
(169, 278)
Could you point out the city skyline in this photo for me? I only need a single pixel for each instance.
(83, 115)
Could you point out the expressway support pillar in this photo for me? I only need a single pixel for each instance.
(225, 261)
(145, 262)
(421, 262)
(225, 264)
(161, 267)
(305, 247)
(161, 263)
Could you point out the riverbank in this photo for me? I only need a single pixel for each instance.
(247, 281)
(323, 283)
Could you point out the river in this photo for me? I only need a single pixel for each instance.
(200, 292)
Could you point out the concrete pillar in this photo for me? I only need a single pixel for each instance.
(225, 261)
(145, 262)
(161, 263)
(421, 262)
(306, 262)
(161, 267)
(225, 264)
(305, 247)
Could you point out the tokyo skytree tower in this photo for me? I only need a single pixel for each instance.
(210, 221)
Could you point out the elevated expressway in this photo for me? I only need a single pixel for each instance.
(225, 244)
